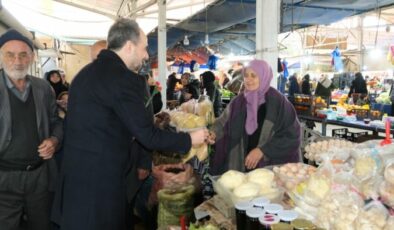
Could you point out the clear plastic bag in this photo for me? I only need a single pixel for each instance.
(367, 163)
(372, 217)
(333, 148)
(339, 210)
(386, 192)
(389, 172)
(204, 109)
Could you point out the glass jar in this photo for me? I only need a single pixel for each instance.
(268, 220)
(273, 208)
(240, 213)
(287, 216)
(260, 202)
(252, 218)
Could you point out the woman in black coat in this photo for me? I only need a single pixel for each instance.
(293, 85)
(306, 87)
(54, 78)
(358, 85)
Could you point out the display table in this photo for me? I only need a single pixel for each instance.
(355, 124)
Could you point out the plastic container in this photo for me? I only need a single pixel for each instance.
(240, 213)
(252, 218)
(281, 226)
(273, 208)
(260, 202)
(268, 220)
(287, 216)
(301, 224)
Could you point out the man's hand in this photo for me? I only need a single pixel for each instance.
(253, 158)
(199, 137)
(47, 148)
(143, 174)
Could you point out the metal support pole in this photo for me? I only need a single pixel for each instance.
(267, 27)
(162, 49)
(361, 42)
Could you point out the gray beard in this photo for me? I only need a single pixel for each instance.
(16, 75)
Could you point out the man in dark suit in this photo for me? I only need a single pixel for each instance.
(30, 132)
(106, 110)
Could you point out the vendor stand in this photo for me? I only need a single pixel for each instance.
(349, 124)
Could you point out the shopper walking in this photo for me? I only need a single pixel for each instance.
(306, 86)
(324, 86)
(359, 86)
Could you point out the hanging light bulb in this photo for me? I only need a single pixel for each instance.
(206, 40)
(186, 41)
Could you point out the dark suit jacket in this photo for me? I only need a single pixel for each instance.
(106, 109)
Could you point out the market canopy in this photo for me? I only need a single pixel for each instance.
(230, 24)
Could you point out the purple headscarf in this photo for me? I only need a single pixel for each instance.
(257, 97)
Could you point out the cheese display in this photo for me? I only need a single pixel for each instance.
(292, 174)
(246, 190)
(355, 194)
(366, 166)
(316, 150)
(262, 177)
(232, 179)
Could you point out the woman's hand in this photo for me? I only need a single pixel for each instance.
(253, 158)
(211, 138)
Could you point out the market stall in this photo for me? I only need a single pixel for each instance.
(351, 188)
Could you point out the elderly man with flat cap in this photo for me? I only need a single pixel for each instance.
(30, 133)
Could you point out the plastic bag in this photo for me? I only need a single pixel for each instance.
(367, 163)
(389, 172)
(372, 217)
(170, 176)
(189, 106)
(333, 148)
(205, 109)
(386, 192)
(339, 210)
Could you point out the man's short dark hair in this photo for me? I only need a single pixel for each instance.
(121, 31)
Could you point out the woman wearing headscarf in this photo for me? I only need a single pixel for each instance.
(306, 86)
(258, 128)
(324, 86)
(293, 85)
(359, 85)
(56, 82)
(208, 83)
(190, 88)
(171, 83)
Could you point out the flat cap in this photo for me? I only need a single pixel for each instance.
(12, 34)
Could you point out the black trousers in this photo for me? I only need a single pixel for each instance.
(24, 200)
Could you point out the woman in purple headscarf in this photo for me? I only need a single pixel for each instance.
(258, 128)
